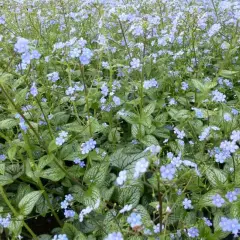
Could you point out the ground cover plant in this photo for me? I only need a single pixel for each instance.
(119, 119)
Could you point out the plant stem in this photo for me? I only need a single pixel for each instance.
(86, 99)
(160, 204)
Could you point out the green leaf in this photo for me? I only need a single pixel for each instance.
(8, 123)
(73, 127)
(149, 140)
(2, 168)
(72, 232)
(23, 189)
(216, 177)
(15, 226)
(28, 202)
(44, 161)
(122, 160)
(12, 152)
(129, 195)
(179, 115)
(130, 117)
(52, 146)
(60, 118)
(96, 174)
(227, 73)
(114, 135)
(107, 193)
(54, 174)
(45, 237)
(198, 85)
(137, 131)
(149, 109)
(80, 236)
(5, 180)
(91, 196)
(42, 205)
(235, 210)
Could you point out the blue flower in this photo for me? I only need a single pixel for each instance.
(64, 204)
(3, 157)
(114, 236)
(33, 90)
(54, 76)
(231, 196)
(86, 56)
(193, 232)
(5, 222)
(217, 200)
(60, 237)
(134, 220)
(187, 204)
(168, 171)
(21, 45)
(69, 213)
(69, 197)
(229, 225)
(88, 146)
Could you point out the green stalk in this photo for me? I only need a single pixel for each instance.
(45, 118)
(73, 103)
(86, 99)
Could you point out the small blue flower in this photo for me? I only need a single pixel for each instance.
(168, 171)
(64, 204)
(69, 197)
(3, 157)
(69, 213)
(114, 236)
(193, 232)
(217, 200)
(207, 222)
(5, 222)
(187, 204)
(60, 237)
(134, 220)
(231, 196)
(33, 90)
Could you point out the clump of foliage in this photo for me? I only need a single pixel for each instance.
(120, 119)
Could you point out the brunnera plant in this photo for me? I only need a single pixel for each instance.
(119, 119)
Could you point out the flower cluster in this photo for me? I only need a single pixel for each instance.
(64, 205)
(60, 237)
(134, 220)
(121, 178)
(88, 146)
(168, 171)
(62, 137)
(152, 83)
(79, 162)
(22, 123)
(22, 47)
(114, 236)
(229, 225)
(5, 221)
(141, 167)
(193, 232)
